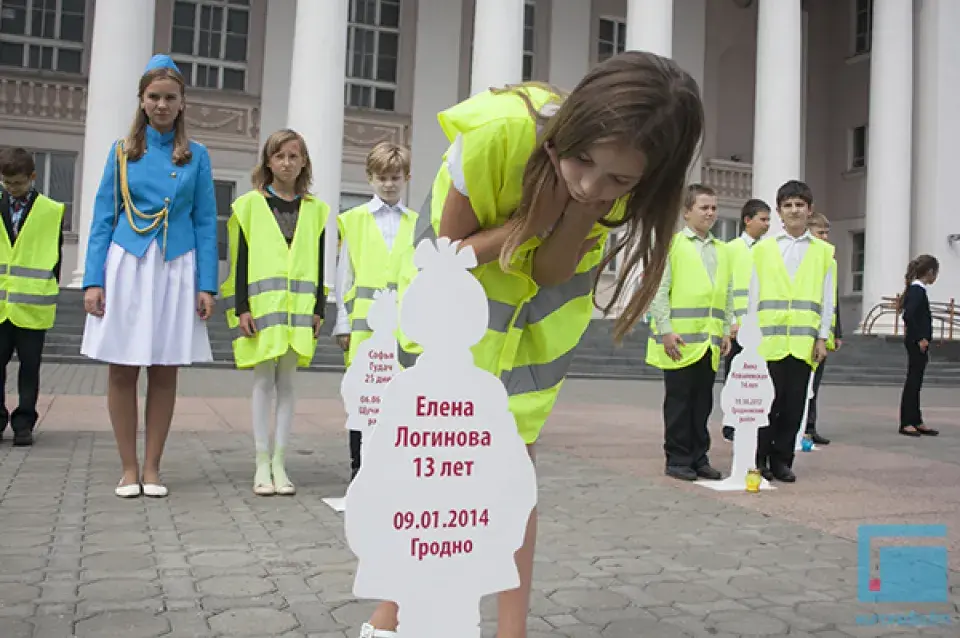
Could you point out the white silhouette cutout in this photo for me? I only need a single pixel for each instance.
(798, 446)
(371, 369)
(441, 503)
(745, 400)
(373, 365)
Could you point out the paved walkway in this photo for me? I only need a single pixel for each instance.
(623, 551)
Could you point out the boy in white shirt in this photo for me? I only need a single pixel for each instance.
(376, 245)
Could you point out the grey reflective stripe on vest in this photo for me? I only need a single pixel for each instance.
(273, 284)
(533, 378)
(365, 292)
(28, 299)
(424, 226)
(693, 337)
(741, 292)
(360, 325)
(27, 273)
(790, 305)
(697, 313)
(790, 331)
(24, 298)
(406, 359)
(273, 319)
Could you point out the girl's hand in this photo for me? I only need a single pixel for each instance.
(591, 213)
(317, 324)
(247, 325)
(205, 304)
(93, 302)
(552, 205)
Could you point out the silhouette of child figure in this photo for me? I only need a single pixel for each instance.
(745, 400)
(373, 366)
(441, 503)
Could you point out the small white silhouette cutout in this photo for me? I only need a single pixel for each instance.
(745, 400)
(446, 488)
(373, 365)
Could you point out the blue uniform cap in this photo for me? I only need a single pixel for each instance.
(161, 61)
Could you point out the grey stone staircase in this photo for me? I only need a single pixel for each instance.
(861, 361)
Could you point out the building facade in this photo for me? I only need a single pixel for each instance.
(857, 97)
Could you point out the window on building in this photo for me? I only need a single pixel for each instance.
(42, 34)
(611, 38)
(858, 147)
(373, 44)
(529, 39)
(224, 192)
(857, 243)
(863, 26)
(209, 42)
(727, 228)
(55, 173)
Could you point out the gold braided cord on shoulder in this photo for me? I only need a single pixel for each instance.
(155, 219)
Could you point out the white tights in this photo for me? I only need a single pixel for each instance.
(267, 377)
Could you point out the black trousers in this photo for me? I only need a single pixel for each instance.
(687, 403)
(775, 443)
(812, 408)
(910, 399)
(356, 442)
(28, 345)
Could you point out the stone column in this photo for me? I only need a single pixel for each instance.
(887, 223)
(570, 44)
(316, 96)
(779, 100)
(935, 222)
(277, 54)
(118, 26)
(436, 76)
(689, 50)
(497, 44)
(650, 26)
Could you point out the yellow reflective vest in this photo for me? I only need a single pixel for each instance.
(698, 306)
(832, 339)
(742, 267)
(374, 268)
(532, 331)
(282, 280)
(789, 310)
(28, 287)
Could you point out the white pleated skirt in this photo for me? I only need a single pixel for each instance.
(150, 316)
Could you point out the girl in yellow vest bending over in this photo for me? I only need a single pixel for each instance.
(533, 182)
(274, 295)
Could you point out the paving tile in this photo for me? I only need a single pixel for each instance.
(622, 550)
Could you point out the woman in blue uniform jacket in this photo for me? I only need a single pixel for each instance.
(151, 269)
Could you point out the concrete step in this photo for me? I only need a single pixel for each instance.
(863, 360)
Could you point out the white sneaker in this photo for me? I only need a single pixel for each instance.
(368, 631)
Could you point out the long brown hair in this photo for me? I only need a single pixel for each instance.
(918, 268)
(262, 176)
(650, 103)
(135, 144)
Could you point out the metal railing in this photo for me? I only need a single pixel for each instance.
(944, 313)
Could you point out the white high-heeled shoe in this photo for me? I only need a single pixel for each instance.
(368, 631)
(131, 490)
